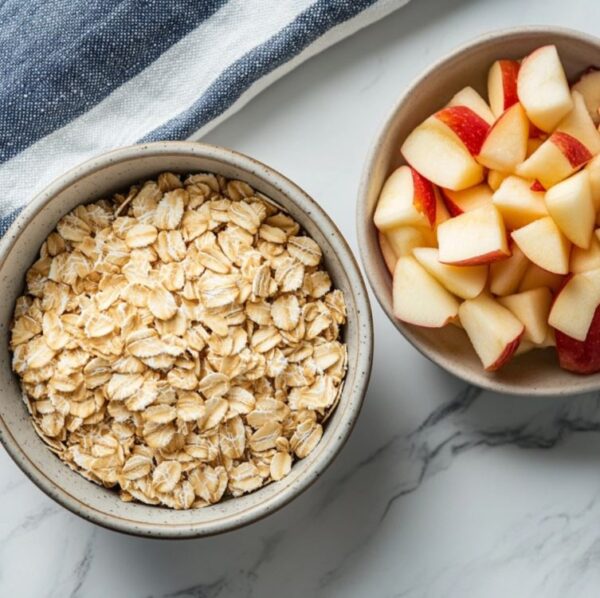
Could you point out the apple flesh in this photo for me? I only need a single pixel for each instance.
(570, 205)
(418, 298)
(435, 151)
(593, 169)
(575, 305)
(589, 87)
(506, 275)
(495, 178)
(459, 202)
(543, 89)
(580, 357)
(536, 277)
(407, 198)
(404, 239)
(473, 238)
(471, 99)
(518, 203)
(544, 244)
(389, 257)
(574, 143)
(505, 145)
(583, 260)
(464, 281)
(502, 85)
(493, 330)
(532, 309)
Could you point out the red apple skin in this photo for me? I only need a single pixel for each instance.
(470, 128)
(510, 70)
(580, 357)
(452, 208)
(535, 133)
(480, 260)
(506, 354)
(424, 196)
(575, 152)
(537, 186)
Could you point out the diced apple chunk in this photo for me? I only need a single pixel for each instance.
(495, 178)
(575, 305)
(518, 204)
(473, 238)
(472, 198)
(543, 89)
(544, 244)
(464, 281)
(440, 156)
(583, 260)
(407, 198)
(574, 142)
(532, 309)
(589, 87)
(570, 205)
(404, 239)
(536, 277)
(418, 298)
(492, 329)
(506, 275)
(389, 257)
(593, 169)
(502, 85)
(506, 143)
(471, 99)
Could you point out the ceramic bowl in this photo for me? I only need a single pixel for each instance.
(537, 372)
(115, 171)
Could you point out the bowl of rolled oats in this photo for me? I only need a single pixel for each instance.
(187, 340)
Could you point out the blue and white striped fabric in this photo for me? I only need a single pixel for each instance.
(80, 77)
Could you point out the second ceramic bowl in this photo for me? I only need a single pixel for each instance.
(115, 171)
(537, 372)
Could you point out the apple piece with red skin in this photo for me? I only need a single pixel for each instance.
(506, 275)
(544, 244)
(502, 85)
(575, 304)
(465, 282)
(435, 151)
(418, 298)
(580, 357)
(459, 202)
(589, 87)
(537, 186)
(468, 126)
(474, 238)
(570, 205)
(468, 97)
(505, 145)
(407, 198)
(493, 330)
(518, 204)
(574, 142)
(543, 89)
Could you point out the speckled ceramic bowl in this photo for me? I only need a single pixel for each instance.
(98, 178)
(537, 372)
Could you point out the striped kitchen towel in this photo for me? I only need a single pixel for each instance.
(80, 77)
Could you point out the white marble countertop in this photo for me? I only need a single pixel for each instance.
(442, 490)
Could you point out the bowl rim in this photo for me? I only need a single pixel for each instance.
(357, 394)
(363, 224)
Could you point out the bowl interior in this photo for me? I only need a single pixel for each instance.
(96, 179)
(536, 372)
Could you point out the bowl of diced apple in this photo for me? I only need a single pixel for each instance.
(479, 212)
